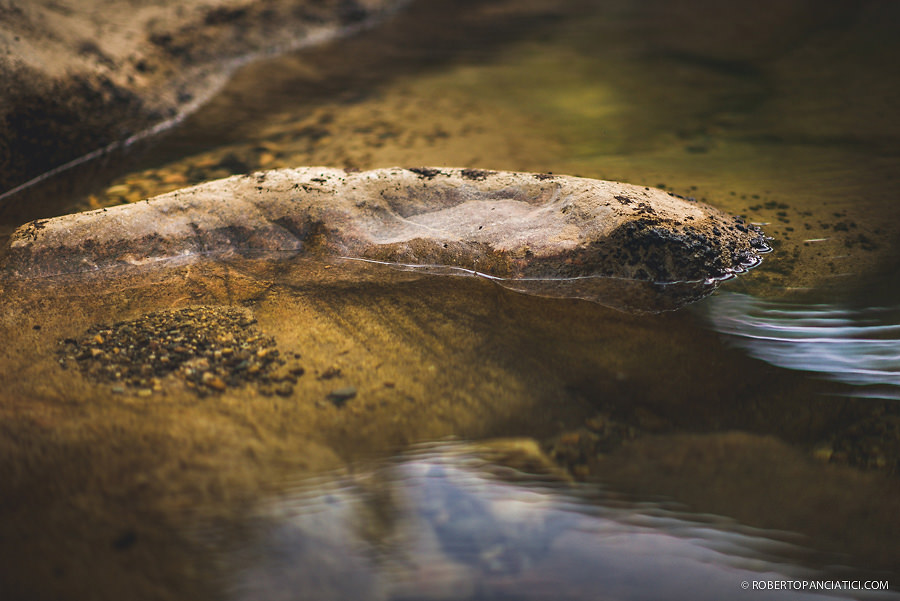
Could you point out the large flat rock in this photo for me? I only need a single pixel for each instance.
(627, 246)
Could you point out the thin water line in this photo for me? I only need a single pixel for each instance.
(474, 272)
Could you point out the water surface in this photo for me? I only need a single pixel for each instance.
(782, 113)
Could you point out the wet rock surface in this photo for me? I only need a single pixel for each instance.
(628, 246)
(81, 74)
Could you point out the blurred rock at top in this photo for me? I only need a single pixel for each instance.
(77, 75)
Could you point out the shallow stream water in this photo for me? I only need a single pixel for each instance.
(497, 445)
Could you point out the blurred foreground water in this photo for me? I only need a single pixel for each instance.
(455, 521)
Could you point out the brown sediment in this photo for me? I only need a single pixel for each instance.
(210, 348)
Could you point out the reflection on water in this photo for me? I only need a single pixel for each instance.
(445, 523)
(860, 347)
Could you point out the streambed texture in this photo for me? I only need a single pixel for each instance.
(629, 246)
(149, 487)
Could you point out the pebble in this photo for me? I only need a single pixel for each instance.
(341, 395)
(331, 372)
(213, 381)
(823, 453)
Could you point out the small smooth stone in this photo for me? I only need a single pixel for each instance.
(341, 395)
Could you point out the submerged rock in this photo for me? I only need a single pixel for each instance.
(618, 244)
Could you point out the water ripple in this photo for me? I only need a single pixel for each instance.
(446, 523)
(859, 347)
